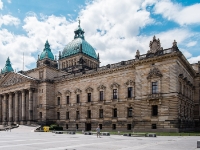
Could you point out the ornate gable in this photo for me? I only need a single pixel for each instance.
(154, 72)
(154, 45)
(14, 78)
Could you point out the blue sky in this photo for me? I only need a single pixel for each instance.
(115, 29)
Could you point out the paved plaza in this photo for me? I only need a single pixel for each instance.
(23, 138)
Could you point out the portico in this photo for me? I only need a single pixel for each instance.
(15, 106)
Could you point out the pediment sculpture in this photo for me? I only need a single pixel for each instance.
(14, 78)
(154, 72)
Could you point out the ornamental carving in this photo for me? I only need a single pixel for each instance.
(129, 83)
(101, 87)
(68, 92)
(154, 72)
(77, 91)
(58, 93)
(114, 85)
(89, 90)
(155, 45)
(13, 79)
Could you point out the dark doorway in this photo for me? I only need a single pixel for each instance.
(88, 126)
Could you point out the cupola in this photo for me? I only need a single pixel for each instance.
(8, 67)
(46, 52)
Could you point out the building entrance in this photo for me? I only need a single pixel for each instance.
(88, 126)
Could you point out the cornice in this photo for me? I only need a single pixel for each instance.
(95, 73)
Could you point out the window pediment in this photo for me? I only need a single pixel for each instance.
(129, 83)
(59, 93)
(89, 90)
(68, 92)
(114, 85)
(77, 91)
(101, 87)
(154, 73)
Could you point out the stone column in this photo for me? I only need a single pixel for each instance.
(16, 107)
(30, 104)
(4, 109)
(10, 108)
(1, 108)
(23, 106)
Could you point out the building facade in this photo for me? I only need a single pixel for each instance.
(156, 91)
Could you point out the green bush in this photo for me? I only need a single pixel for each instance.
(55, 127)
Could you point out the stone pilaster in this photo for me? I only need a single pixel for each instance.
(1, 109)
(4, 109)
(30, 104)
(23, 106)
(10, 108)
(16, 107)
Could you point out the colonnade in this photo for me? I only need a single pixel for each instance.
(14, 106)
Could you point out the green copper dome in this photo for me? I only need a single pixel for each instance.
(8, 67)
(79, 45)
(47, 52)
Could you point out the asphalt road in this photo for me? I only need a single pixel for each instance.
(23, 138)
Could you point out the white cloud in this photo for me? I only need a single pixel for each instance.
(183, 15)
(1, 4)
(9, 1)
(117, 38)
(190, 44)
(194, 59)
(9, 20)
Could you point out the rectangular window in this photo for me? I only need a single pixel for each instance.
(180, 88)
(89, 97)
(153, 126)
(89, 114)
(77, 115)
(76, 126)
(67, 126)
(114, 126)
(114, 93)
(128, 126)
(115, 112)
(40, 115)
(100, 113)
(77, 98)
(67, 115)
(100, 126)
(41, 74)
(67, 99)
(58, 115)
(101, 95)
(58, 101)
(130, 112)
(130, 92)
(154, 87)
(154, 110)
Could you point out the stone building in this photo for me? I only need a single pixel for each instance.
(156, 91)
